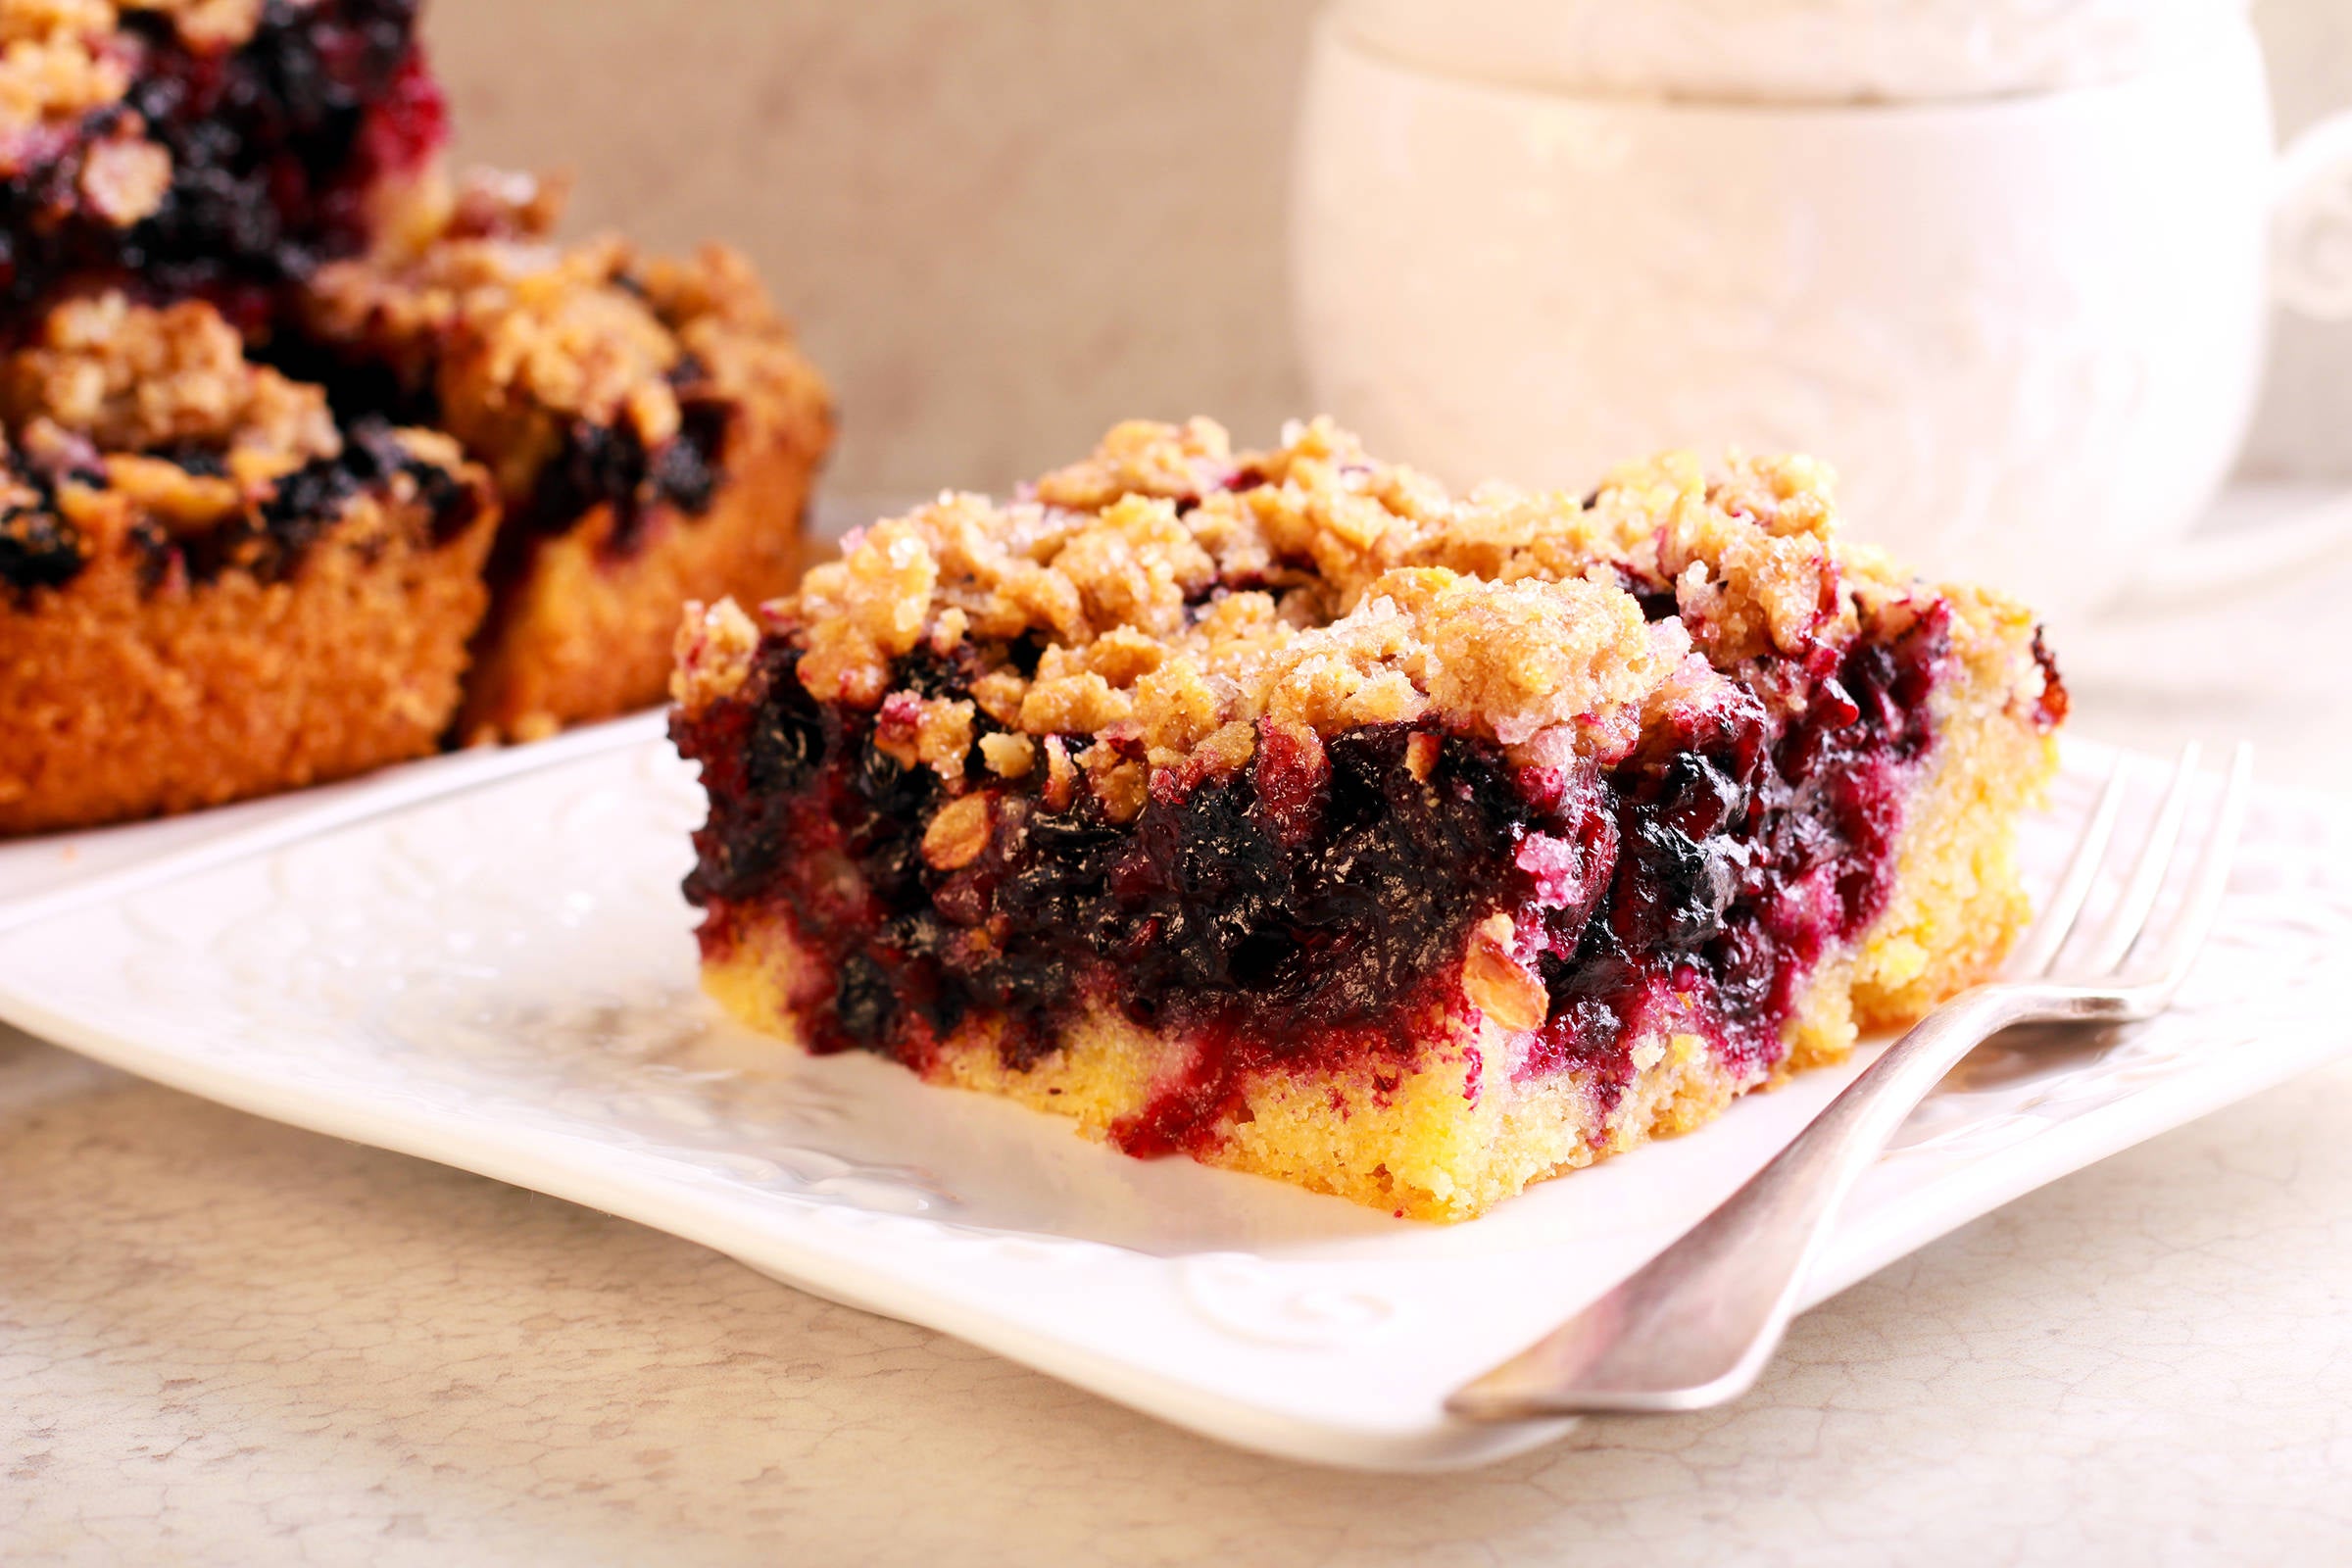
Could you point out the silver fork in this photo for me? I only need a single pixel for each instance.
(1695, 1326)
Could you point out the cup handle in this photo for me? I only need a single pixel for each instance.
(2311, 223)
(2311, 273)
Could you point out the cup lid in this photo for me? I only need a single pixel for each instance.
(1790, 51)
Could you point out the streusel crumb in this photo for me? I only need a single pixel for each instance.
(207, 23)
(714, 648)
(133, 379)
(1168, 588)
(54, 62)
(516, 342)
(61, 59)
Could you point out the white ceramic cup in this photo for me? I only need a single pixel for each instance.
(2026, 329)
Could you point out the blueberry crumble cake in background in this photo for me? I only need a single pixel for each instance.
(211, 586)
(316, 458)
(1279, 809)
(652, 427)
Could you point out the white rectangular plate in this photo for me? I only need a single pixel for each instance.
(495, 969)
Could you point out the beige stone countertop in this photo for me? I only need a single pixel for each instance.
(223, 1340)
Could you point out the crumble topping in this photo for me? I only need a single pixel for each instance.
(516, 342)
(62, 59)
(124, 178)
(206, 23)
(1170, 589)
(130, 420)
(1009, 756)
(934, 732)
(714, 647)
(54, 62)
(132, 378)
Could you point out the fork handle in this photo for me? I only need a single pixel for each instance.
(1695, 1324)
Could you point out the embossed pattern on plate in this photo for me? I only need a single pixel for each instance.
(502, 979)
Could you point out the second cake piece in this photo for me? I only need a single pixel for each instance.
(651, 423)
(210, 587)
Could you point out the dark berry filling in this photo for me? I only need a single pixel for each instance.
(277, 148)
(2051, 710)
(1749, 846)
(1313, 908)
(602, 464)
(39, 549)
(593, 465)
(308, 501)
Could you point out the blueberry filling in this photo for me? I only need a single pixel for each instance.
(276, 147)
(593, 463)
(1750, 847)
(1313, 906)
(602, 464)
(271, 542)
(38, 549)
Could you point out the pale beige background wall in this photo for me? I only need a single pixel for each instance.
(1004, 223)
(1001, 224)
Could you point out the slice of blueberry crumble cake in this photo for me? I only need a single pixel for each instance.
(1278, 810)
(217, 147)
(210, 587)
(313, 458)
(651, 424)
